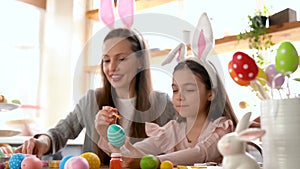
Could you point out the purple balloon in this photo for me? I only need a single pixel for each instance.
(273, 73)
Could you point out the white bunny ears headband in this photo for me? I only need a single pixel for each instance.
(202, 45)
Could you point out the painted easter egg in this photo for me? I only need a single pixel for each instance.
(287, 58)
(275, 80)
(116, 135)
(261, 80)
(166, 165)
(244, 66)
(15, 161)
(234, 76)
(77, 162)
(62, 162)
(262, 76)
(93, 160)
(149, 162)
(31, 162)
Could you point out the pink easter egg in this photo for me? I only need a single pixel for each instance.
(31, 162)
(77, 162)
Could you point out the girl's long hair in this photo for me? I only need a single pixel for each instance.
(220, 105)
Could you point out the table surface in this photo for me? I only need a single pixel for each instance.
(185, 167)
(104, 167)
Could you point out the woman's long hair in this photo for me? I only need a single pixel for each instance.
(143, 84)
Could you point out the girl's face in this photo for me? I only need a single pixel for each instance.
(189, 93)
(120, 63)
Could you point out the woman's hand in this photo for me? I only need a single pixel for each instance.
(104, 118)
(39, 146)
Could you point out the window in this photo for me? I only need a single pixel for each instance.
(19, 55)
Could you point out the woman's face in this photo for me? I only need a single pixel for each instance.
(189, 93)
(120, 63)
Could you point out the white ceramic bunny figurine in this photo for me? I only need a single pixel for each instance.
(233, 146)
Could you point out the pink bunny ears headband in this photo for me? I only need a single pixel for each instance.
(126, 14)
(125, 11)
(202, 44)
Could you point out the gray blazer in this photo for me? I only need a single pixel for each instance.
(83, 116)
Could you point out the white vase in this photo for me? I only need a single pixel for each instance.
(281, 143)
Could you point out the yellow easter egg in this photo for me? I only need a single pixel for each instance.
(93, 160)
(166, 165)
(261, 80)
(262, 76)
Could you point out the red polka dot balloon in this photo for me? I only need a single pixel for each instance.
(244, 66)
(234, 77)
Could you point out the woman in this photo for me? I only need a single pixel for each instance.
(126, 81)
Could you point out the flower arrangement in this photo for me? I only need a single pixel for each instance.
(245, 71)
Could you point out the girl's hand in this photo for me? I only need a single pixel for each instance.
(130, 155)
(131, 162)
(131, 158)
(104, 118)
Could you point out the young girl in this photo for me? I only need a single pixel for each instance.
(206, 118)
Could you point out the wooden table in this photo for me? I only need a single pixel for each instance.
(104, 167)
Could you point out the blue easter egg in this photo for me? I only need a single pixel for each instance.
(116, 135)
(15, 161)
(63, 161)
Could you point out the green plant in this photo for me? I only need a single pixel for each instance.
(264, 12)
(257, 36)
